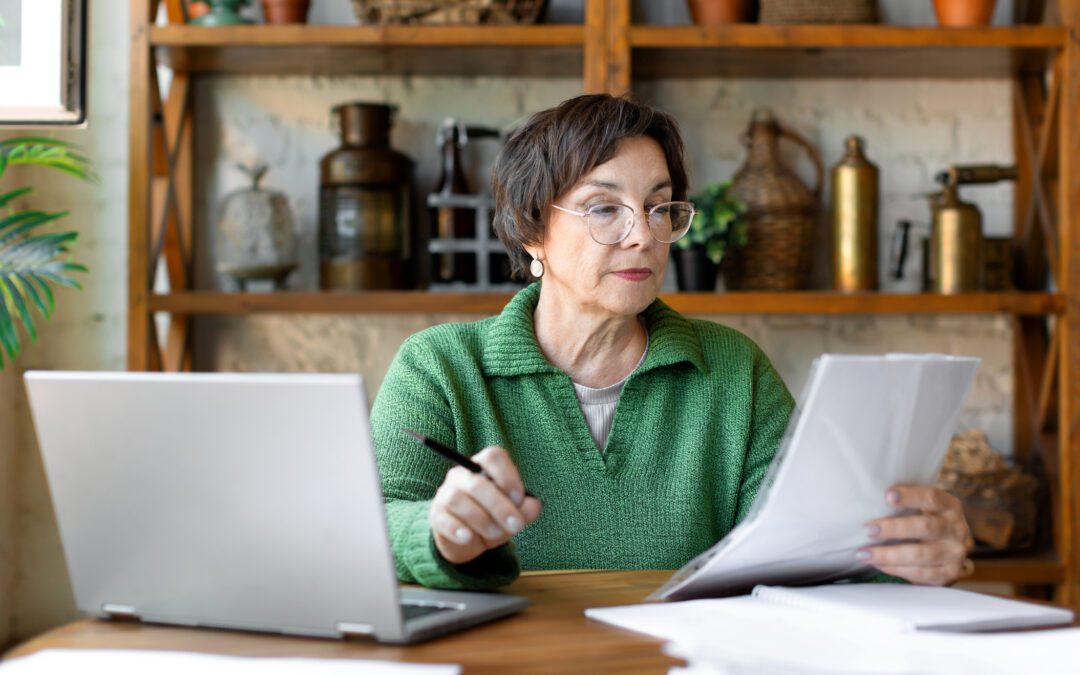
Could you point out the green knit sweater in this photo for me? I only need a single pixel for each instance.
(693, 434)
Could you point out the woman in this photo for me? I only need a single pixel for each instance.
(646, 434)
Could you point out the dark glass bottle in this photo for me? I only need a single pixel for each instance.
(448, 222)
(365, 188)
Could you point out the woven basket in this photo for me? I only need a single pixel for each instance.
(819, 11)
(447, 11)
(776, 256)
(781, 213)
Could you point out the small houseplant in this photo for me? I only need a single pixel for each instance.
(718, 226)
(31, 261)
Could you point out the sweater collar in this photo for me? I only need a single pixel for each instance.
(511, 348)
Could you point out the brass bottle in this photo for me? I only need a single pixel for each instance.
(854, 220)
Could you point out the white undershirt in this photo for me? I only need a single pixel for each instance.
(598, 405)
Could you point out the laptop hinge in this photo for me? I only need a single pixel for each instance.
(355, 629)
(120, 612)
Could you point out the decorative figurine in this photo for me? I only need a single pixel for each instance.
(255, 237)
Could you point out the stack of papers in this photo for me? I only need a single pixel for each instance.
(865, 423)
(750, 635)
(131, 662)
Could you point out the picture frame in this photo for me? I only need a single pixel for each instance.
(43, 62)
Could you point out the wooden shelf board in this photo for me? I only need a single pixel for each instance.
(412, 302)
(841, 51)
(554, 50)
(1043, 568)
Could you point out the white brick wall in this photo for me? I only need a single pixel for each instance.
(913, 129)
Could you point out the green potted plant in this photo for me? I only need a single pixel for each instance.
(31, 261)
(718, 226)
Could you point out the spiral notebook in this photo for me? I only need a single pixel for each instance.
(902, 607)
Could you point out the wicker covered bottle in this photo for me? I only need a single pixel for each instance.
(781, 213)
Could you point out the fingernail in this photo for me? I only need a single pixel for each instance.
(893, 496)
(513, 525)
(873, 530)
(516, 497)
(462, 535)
(864, 555)
(494, 532)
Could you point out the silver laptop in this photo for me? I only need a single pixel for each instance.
(231, 501)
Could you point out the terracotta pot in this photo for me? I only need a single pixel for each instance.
(719, 11)
(964, 13)
(285, 11)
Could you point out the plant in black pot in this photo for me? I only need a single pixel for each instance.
(718, 226)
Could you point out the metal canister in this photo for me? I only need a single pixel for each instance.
(364, 219)
(956, 244)
(854, 218)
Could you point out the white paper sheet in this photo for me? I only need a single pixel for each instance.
(745, 632)
(908, 607)
(866, 423)
(139, 662)
(745, 636)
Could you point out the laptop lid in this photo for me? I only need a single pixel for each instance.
(230, 500)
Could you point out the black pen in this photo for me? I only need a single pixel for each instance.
(452, 455)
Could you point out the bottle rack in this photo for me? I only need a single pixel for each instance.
(484, 245)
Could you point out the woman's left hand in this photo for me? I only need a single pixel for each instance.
(931, 541)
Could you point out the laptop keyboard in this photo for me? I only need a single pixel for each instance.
(411, 611)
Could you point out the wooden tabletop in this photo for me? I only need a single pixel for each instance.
(551, 636)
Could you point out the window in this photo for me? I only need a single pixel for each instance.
(42, 62)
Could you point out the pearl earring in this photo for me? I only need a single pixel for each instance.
(536, 268)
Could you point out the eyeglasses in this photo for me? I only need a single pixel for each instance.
(610, 223)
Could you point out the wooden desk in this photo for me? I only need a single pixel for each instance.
(551, 636)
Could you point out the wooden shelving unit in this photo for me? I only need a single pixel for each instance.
(609, 53)
(408, 302)
(535, 51)
(841, 51)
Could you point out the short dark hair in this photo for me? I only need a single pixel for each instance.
(556, 148)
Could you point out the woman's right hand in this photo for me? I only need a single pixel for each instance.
(471, 513)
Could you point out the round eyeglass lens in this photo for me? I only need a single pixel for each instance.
(670, 221)
(609, 223)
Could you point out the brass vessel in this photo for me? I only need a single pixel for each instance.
(854, 218)
(365, 193)
(956, 233)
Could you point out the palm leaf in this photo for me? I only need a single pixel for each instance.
(48, 152)
(14, 194)
(28, 264)
(21, 223)
(13, 285)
